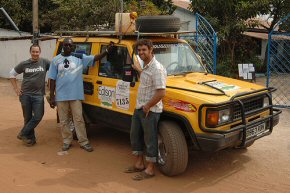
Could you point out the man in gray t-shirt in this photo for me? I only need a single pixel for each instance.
(31, 92)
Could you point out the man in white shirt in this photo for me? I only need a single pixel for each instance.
(147, 113)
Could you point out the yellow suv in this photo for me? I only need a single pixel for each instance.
(202, 111)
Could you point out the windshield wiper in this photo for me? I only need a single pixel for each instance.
(218, 89)
(182, 73)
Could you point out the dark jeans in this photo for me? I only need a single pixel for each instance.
(33, 110)
(144, 131)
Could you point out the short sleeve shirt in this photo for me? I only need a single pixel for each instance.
(34, 73)
(152, 78)
(67, 71)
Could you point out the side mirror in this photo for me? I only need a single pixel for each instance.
(128, 73)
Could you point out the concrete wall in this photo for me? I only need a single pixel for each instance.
(12, 52)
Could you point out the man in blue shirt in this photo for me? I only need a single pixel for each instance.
(66, 90)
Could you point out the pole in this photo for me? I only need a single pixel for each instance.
(35, 21)
(10, 20)
(122, 9)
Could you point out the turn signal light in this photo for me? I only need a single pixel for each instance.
(212, 118)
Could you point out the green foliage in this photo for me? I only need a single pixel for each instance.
(166, 6)
(21, 13)
(81, 14)
(229, 19)
(149, 8)
(75, 14)
(225, 68)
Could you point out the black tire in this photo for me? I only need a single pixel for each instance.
(161, 23)
(172, 149)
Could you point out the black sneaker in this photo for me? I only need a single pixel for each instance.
(26, 141)
(32, 143)
(19, 136)
(87, 147)
(65, 147)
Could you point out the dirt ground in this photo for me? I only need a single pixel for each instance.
(264, 167)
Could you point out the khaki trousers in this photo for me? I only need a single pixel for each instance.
(74, 107)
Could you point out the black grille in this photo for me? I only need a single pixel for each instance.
(249, 104)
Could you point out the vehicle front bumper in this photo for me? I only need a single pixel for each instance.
(218, 141)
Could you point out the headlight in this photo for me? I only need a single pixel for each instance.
(266, 102)
(217, 117)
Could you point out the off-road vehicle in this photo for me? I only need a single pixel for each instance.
(202, 111)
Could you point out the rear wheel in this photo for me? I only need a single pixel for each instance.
(172, 149)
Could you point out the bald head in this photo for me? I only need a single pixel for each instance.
(68, 41)
(67, 46)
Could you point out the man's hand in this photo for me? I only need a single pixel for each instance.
(136, 65)
(110, 47)
(52, 102)
(18, 92)
(146, 110)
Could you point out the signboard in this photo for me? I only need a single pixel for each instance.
(247, 71)
(106, 95)
(123, 95)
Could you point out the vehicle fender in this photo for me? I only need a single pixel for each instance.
(185, 126)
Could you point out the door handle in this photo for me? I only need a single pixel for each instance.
(99, 82)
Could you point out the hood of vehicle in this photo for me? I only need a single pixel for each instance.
(211, 88)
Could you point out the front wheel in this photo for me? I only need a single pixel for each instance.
(172, 149)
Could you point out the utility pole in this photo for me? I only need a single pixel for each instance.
(35, 21)
(122, 9)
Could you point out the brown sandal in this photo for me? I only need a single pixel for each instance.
(142, 176)
(133, 169)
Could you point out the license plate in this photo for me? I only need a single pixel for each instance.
(255, 131)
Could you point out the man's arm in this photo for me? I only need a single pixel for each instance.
(100, 56)
(136, 65)
(159, 94)
(12, 78)
(16, 89)
(52, 102)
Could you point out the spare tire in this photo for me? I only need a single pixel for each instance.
(161, 23)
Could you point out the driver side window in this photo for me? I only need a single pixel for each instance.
(111, 65)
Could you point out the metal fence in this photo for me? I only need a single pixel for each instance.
(279, 62)
(206, 43)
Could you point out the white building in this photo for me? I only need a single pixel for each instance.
(187, 18)
(14, 48)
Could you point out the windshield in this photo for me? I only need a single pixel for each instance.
(177, 58)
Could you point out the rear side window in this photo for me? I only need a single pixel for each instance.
(79, 48)
(112, 64)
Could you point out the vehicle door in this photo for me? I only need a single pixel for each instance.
(116, 97)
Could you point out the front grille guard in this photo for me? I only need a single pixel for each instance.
(244, 125)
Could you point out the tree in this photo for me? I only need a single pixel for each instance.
(20, 12)
(72, 14)
(80, 14)
(228, 17)
(166, 6)
(148, 9)
(276, 10)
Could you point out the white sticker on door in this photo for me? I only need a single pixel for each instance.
(107, 96)
(123, 95)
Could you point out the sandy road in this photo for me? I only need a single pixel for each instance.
(264, 167)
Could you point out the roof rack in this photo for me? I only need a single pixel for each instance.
(114, 33)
